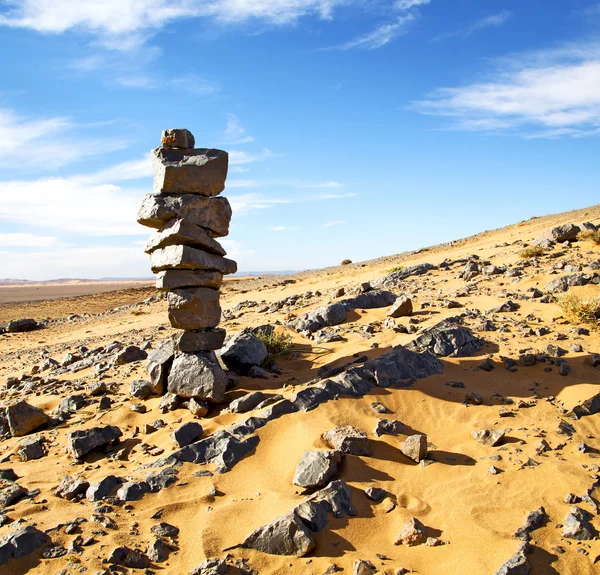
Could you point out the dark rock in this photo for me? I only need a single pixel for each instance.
(194, 308)
(21, 325)
(21, 543)
(132, 490)
(286, 535)
(577, 525)
(81, 442)
(317, 468)
(130, 354)
(446, 339)
(131, 558)
(517, 564)
(165, 530)
(8, 473)
(141, 389)
(242, 351)
(24, 418)
(197, 375)
(534, 520)
(177, 138)
(30, 449)
(187, 433)
(395, 279)
(101, 489)
(10, 492)
(161, 480)
(157, 551)
(199, 340)
(388, 427)
(376, 494)
(309, 398)
(590, 406)
(175, 279)
(183, 232)
(564, 233)
(71, 487)
(247, 402)
(158, 365)
(181, 257)
(348, 439)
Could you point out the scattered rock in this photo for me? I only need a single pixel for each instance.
(415, 447)
(413, 533)
(24, 418)
(317, 468)
(491, 437)
(187, 433)
(349, 440)
(81, 442)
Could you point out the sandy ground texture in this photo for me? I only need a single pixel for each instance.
(470, 514)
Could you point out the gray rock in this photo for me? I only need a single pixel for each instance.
(311, 397)
(517, 564)
(198, 375)
(30, 449)
(320, 317)
(101, 489)
(491, 437)
(157, 551)
(371, 300)
(141, 389)
(590, 406)
(194, 308)
(10, 492)
(174, 279)
(564, 233)
(402, 365)
(577, 525)
(563, 283)
(388, 427)
(130, 354)
(162, 479)
(169, 402)
(24, 418)
(286, 535)
(446, 339)
(361, 567)
(198, 408)
(349, 440)
(317, 468)
(158, 366)
(213, 214)
(187, 433)
(165, 530)
(334, 499)
(395, 279)
(182, 232)
(413, 533)
(534, 520)
(211, 567)
(192, 171)
(199, 340)
(415, 447)
(243, 351)
(132, 558)
(22, 542)
(247, 402)
(81, 442)
(182, 257)
(71, 487)
(177, 138)
(22, 325)
(71, 404)
(376, 494)
(132, 490)
(257, 372)
(402, 307)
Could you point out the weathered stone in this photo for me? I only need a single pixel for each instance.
(187, 433)
(141, 389)
(174, 279)
(71, 404)
(491, 437)
(247, 402)
(564, 233)
(388, 427)
(242, 351)
(99, 490)
(199, 340)
(577, 525)
(21, 325)
(10, 492)
(334, 499)
(169, 402)
(165, 530)
(157, 551)
(349, 440)
(415, 447)
(310, 398)
(213, 214)
(161, 480)
(71, 487)
(590, 406)
(132, 490)
(211, 567)
(183, 232)
(324, 316)
(30, 449)
(286, 535)
(23, 418)
(413, 533)
(177, 138)
(517, 564)
(402, 307)
(81, 442)
(192, 171)
(361, 567)
(534, 520)
(198, 408)
(395, 279)
(132, 558)
(21, 543)
(198, 375)
(130, 354)
(158, 365)
(187, 258)
(194, 308)
(446, 339)
(317, 468)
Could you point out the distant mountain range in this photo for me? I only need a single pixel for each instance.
(13, 281)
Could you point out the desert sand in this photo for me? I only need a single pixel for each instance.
(472, 512)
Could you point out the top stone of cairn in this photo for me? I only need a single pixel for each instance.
(177, 138)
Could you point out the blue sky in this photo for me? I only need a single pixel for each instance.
(356, 128)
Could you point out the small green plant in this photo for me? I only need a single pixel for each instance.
(532, 252)
(396, 269)
(277, 343)
(583, 310)
(593, 235)
(346, 262)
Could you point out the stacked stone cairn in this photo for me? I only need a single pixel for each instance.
(188, 213)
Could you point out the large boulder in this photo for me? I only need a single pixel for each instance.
(191, 171)
(183, 257)
(213, 214)
(197, 375)
(563, 283)
(243, 351)
(158, 365)
(317, 468)
(20, 543)
(286, 535)
(194, 308)
(24, 418)
(446, 339)
(81, 442)
(564, 233)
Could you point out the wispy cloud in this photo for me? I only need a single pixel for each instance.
(21, 240)
(285, 228)
(408, 4)
(548, 93)
(238, 157)
(379, 37)
(299, 184)
(235, 133)
(492, 21)
(333, 224)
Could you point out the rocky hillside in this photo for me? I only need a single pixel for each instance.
(434, 411)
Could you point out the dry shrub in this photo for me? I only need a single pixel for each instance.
(532, 252)
(396, 269)
(276, 343)
(593, 235)
(576, 308)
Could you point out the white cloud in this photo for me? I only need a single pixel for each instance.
(298, 184)
(246, 202)
(45, 143)
(126, 24)
(132, 170)
(379, 37)
(195, 84)
(27, 240)
(493, 21)
(285, 228)
(235, 133)
(237, 157)
(235, 250)
(333, 224)
(553, 93)
(408, 4)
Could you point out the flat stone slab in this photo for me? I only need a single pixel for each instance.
(199, 340)
(194, 308)
(214, 214)
(174, 279)
(193, 171)
(185, 257)
(183, 232)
